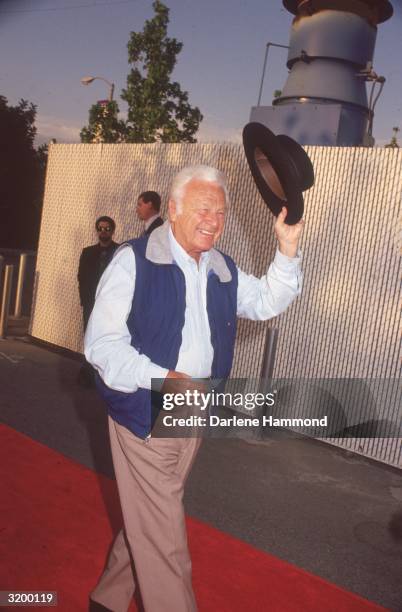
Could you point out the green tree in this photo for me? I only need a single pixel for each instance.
(104, 124)
(158, 109)
(393, 144)
(22, 174)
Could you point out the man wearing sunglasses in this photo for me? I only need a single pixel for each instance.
(93, 261)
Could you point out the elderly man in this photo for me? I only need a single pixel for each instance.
(166, 308)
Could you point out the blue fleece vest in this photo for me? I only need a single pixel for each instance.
(155, 323)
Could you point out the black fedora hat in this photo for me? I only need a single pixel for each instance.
(281, 169)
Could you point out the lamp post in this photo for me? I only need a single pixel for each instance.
(89, 79)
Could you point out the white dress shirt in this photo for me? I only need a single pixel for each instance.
(149, 221)
(108, 340)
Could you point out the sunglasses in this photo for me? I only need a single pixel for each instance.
(104, 229)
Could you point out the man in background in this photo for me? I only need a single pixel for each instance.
(93, 261)
(148, 209)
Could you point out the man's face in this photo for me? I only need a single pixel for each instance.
(201, 221)
(144, 209)
(105, 232)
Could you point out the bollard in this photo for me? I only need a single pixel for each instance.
(268, 362)
(1, 271)
(267, 370)
(20, 284)
(5, 303)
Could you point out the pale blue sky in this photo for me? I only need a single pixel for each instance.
(48, 45)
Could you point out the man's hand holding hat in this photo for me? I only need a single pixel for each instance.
(288, 235)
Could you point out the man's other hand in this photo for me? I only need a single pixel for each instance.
(288, 235)
(177, 382)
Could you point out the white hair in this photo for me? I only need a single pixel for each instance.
(199, 173)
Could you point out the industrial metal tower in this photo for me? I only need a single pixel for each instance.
(324, 100)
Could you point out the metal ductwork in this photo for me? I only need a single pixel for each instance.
(324, 100)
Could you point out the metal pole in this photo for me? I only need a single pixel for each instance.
(263, 73)
(267, 370)
(268, 362)
(269, 44)
(20, 284)
(5, 304)
(1, 270)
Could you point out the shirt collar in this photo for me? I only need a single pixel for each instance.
(181, 257)
(149, 221)
(159, 251)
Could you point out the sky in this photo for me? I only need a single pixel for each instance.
(46, 46)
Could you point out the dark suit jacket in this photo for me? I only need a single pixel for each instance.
(90, 269)
(158, 221)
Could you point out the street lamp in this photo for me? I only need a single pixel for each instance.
(89, 79)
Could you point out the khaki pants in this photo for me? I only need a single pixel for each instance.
(150, 477)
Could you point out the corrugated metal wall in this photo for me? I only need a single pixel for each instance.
(347, 322)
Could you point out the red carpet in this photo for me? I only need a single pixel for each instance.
(57, 519)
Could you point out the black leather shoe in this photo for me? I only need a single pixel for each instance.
(94, 606)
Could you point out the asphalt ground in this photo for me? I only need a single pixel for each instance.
(328, 511)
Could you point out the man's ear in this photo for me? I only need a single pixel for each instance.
(172, 211)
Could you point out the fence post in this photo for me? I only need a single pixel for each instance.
(267, 370)
(5, 303)
(268, 362)
(1, 270)
(20, 284)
